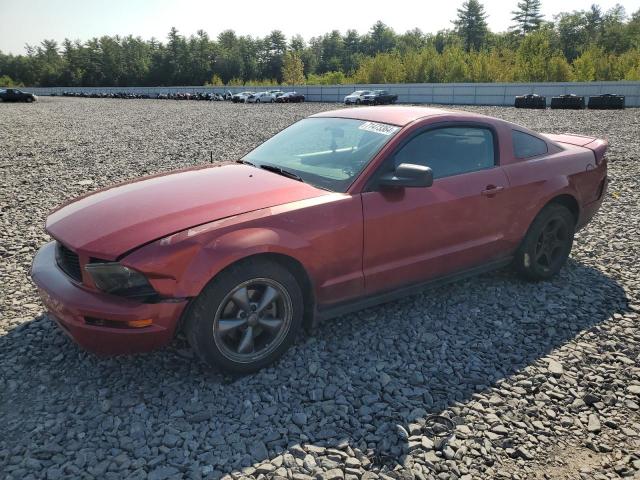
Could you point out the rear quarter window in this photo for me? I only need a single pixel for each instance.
(525, 145)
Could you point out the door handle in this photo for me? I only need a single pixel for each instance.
(491, 190)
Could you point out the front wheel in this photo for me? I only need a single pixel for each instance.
(29, 99)
(547, 244)
(247, 317)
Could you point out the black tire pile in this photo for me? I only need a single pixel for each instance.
(606, 101)
(531, 101)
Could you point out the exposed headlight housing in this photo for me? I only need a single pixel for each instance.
(116, 279)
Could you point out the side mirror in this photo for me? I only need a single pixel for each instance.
(407, 175)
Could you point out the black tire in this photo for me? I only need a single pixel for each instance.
(358, 101)
(258, 101)
(547, 244)
(213, 346)
(29, 99)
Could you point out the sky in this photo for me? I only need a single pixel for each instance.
(31, 21)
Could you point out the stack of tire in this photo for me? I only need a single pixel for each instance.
(531, 101)
(567, 102)
(608, 101)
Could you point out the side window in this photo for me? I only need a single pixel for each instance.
(525, 145)
(450, 150)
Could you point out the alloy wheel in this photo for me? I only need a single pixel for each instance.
(252, 320)
(551, 243)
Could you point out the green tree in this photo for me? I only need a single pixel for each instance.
(614, 35)
(527, 17)
(575, 32)
(332, 46)
(413, 40)
(275, 45)
(292, 69)
(585, 45)
(6, 81)
(537, 61)
(595, 64)
(352, 49)
(383, 68)
(380, 39)
(215, 81)
(471, 24)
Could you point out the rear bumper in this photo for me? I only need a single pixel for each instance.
(70, 304)
(590, 209)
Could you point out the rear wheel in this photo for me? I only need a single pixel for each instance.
(548, 243)
(247, 317)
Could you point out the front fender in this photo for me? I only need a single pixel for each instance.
(231, 247)
(181, 265)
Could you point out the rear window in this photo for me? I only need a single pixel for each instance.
(525, 145)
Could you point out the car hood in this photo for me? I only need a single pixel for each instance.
(113, 221)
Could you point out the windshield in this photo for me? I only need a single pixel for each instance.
(326, 152)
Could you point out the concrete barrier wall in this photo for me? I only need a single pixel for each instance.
(433, 93)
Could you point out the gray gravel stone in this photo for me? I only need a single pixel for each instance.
(594, 424)
(521, 368)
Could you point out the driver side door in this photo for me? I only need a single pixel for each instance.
(413, 235)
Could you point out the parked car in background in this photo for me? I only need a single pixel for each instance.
(260, 97)
(355, 97)
(328, 216)
(276, 93)
(241, 97)
(15, 95)
(379, 97)
(290, 97)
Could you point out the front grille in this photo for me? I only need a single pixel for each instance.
(68, 262)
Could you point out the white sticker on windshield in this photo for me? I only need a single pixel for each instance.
(381, 128)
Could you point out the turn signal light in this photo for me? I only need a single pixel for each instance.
(139, 323)
(101, 322)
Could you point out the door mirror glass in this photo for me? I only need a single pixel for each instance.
(407, 175)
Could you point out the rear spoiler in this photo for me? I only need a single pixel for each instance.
(597, 145)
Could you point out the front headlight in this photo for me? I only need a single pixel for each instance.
(117, 279)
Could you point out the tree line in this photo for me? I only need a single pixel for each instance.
(582, 45)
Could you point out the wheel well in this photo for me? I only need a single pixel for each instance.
(568, 201)
(300, 274)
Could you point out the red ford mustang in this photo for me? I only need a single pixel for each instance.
(339, 211)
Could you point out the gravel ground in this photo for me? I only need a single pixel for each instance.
(540, 380)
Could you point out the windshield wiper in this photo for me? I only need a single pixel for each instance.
(246, 162)
(281, 171)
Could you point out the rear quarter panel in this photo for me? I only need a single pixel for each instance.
(534, 182)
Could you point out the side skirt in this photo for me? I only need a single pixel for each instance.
(351, 306)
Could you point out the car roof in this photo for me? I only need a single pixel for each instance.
(394, 115)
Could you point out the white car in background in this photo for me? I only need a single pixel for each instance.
(260, 97)
(276, 93)
(240, 97)
(356, 97)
